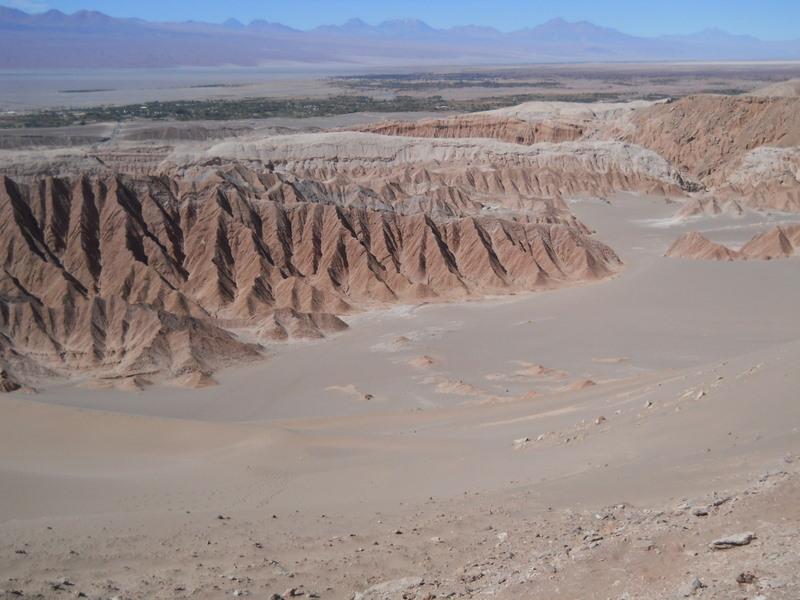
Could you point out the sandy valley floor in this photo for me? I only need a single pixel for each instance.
(589, 442)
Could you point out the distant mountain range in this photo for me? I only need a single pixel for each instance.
(92, 39)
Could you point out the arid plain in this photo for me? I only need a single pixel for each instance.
(544, 351)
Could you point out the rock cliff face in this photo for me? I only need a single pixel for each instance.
(768, 178)
(483, 170)
(704, 135)
(741, 148)
(509, 129)
(526, 123)
(153, 276)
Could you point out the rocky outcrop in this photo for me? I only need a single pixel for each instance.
(743, 148)
(704, 135)
(526, 123)
(767, 178)
(696, 246)
(509, 129)
(779, 242)
(709, 207)
(287, 323)
(488, 170)
(8, 383)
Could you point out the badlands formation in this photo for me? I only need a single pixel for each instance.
(124, 261)
(435, 358)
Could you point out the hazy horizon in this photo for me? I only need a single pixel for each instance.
(771, 20)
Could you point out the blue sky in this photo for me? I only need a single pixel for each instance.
(768, 19)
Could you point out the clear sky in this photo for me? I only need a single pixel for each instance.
(767, 19)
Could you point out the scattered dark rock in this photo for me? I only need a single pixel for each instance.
(746, 577)
(732, 541)
(690, 589)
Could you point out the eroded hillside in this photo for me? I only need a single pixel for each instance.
(168, 274)
(136, 262)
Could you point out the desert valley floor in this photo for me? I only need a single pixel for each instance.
(306, 445)
(373, 408)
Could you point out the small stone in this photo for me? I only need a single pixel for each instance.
(732, 541)
(700, 511)
(599, 420)
(746, 577)
(647, 545)
(690, 589)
